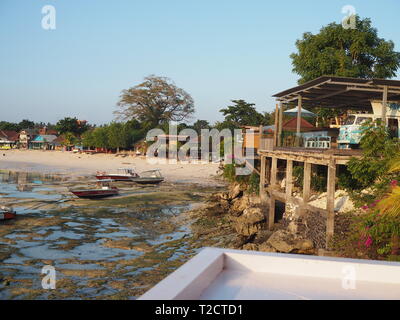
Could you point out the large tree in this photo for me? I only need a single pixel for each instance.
(155, 101)
(337, 51)
(240, 114)
(72, 125)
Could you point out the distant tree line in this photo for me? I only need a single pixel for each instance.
(152, 104)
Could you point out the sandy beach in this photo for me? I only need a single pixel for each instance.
(76, 164)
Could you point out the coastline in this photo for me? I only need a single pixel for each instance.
(77, 164)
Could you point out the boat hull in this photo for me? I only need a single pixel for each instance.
(8, 215)
(114, 177)
(94, 194)
(147, 180)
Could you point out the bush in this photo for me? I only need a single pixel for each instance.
(318, 178)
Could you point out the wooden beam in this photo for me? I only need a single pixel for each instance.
(271, 212)
(289, 178)
(384, 105)
(274, 167)
(330, 202)
(263, 195)
(307, 181)
(276, 125)
(280, 125)
(298, 121)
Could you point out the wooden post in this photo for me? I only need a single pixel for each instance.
(274, 167)
(384, 105)
(263, 195)
(289, 179)
(271, 215)
(299, 107)
(306, 186)
(276, 125)
(260, 140)
(280, 125)
(330, 205)
(307, 182)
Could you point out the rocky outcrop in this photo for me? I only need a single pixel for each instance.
(250, 222)
(286, 242)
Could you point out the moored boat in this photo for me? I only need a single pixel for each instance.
(149, 177)
(123, 174)
(7, 213)
(103, 189)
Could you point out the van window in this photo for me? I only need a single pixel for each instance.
(350, 120)
(362, 120)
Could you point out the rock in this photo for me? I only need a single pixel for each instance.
(305, 245)
(214, 209)
(239, 205)
(223, 196)
(235, 191)
(250, 222)
(265, 247)
(286, 242)
(239, 241)
(282, 241)
(292, 227)
(250, 247)
(262, 236)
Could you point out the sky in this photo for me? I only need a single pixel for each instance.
(216, 50)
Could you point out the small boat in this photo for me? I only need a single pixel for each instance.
(103, 189)
(149, 177)
(7, 213)
(123, 174)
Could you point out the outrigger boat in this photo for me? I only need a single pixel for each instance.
(130, 175)
(149, 177)
(103, 189)
(124, 174)
(7, 213)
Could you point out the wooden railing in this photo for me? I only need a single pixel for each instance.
(267, 143)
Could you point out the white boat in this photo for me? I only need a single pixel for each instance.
(222, 274)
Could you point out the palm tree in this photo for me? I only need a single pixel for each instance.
(390, 205)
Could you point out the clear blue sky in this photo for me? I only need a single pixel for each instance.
(216, 50)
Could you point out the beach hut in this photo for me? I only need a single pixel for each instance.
(8, 139)
(44, 142)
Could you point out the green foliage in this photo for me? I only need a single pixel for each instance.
(357, 53)
(318, 178)
(70, 139)
(252, 181)
(4, 125)
(372, 168)
(372, 235)
(72, 125)
(240, 114)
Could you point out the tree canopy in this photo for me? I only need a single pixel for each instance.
(155, 101)
(240, 114)
(71, 125)
(337, 51)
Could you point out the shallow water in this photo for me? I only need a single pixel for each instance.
(100, 249)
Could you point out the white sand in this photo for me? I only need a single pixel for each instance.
(82, 164)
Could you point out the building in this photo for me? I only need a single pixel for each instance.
(25, 136)
(329, 92)
(8, 139)
(43, 142)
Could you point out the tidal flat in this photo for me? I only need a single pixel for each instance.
(115, 248)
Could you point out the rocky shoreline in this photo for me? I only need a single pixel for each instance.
(238, 219)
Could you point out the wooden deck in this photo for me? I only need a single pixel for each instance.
(269, 190)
